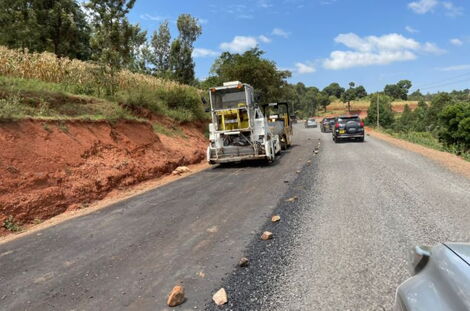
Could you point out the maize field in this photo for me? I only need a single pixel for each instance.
(48, 67)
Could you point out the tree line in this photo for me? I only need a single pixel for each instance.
(99, 31)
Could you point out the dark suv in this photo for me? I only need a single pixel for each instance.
(327, 125)
(348, 127)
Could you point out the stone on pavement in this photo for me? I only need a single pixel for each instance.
(266, 235)
(220, 298)
(176, 296)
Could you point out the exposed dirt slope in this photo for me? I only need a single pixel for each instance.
(47, 168)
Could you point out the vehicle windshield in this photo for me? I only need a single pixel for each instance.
(228, 99)
(344, 120)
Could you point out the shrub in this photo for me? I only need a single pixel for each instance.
(455, 126)
(385, 111)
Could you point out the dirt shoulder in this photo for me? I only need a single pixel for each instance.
(451, 161)
(48, 168)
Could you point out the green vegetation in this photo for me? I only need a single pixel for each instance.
(399, 90)
(427, 139)
(385, 111)
(443, 124)
(11, 225)
(20, 98)
(250, 67)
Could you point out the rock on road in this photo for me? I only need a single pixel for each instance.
(341, 246)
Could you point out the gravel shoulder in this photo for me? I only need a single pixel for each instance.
(344, 244)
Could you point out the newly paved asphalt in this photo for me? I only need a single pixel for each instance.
(129, 255)
(341, 246)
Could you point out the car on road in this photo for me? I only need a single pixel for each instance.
(441, 279)
(327, 125)
(348, 127)
(310, 123)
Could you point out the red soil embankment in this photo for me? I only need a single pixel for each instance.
(47, 168)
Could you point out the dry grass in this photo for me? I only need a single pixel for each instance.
(27, 71)
(48, 68)
(361, 106)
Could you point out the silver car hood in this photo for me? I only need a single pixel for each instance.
(461, 249)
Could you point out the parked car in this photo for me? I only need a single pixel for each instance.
(327, 125)
(310, 123)
(348, 127)
(441, 279)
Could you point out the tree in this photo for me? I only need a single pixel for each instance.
(137, 46)
(416, 95)
(349, 95)
(399, 90)
(420, 117)
(334, 89)
(455, 125)
(406, 120)
(160, 45)
(55, 26)
(113, 36)
(112, 32)
(181, 61)
(250, 67)
(360, 92)
(385, 110)
(438, 103)
(323, 99)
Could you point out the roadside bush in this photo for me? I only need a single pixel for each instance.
(385, 111)
(455, 126)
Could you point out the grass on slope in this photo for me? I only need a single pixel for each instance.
(27, 98)
(45, 73)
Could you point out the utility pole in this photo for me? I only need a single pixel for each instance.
(378, 112)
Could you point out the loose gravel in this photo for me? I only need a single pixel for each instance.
(343, 245)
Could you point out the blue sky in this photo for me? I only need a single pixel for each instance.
(370, 42)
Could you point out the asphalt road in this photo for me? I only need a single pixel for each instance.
(344, 245)
(129, 255)
(341, 246)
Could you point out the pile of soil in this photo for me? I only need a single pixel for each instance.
(47, 168)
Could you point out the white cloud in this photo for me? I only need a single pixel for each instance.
(391, 41)
(201, 52)
(280, 32)
(203, 21)
(302, 68)
(152, 17)
(348, 59)
(456, 42)
(432, 48)
(455, 68)
(264, 39)
(264, 4)
(452, 10)
(411, 29)
(423, 6)
(239, 44)
(373, 50)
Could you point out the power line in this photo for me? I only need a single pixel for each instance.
(438, 83)
(446, 84)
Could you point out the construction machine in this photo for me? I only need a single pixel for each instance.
(280, 122)
(239, 130)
